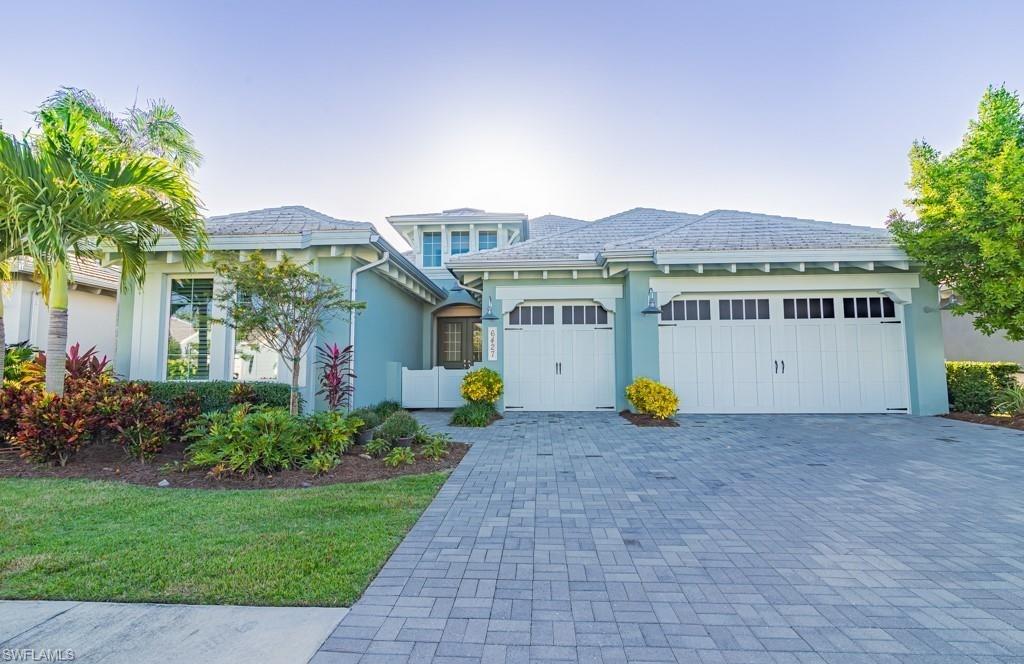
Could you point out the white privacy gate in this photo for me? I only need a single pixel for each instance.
(792, 352)
(432, 388)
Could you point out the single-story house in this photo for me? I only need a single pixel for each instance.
(738, 312)
(92, 306)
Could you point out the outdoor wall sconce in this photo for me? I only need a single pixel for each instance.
(652, 303)
(490, 310)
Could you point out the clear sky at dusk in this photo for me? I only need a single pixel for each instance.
(365, 109)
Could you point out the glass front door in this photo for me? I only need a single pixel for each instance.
(459, 342)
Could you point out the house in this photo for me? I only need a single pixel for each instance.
(963, 341)
(92, 306)
(738, 312)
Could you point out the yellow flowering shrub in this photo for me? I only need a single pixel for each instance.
(652, 398)
(482, 386)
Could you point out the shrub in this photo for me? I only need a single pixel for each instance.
(215, 395)
(652, 398)
(332, 432)
(369, 417)
(242, 393)
(322, 462)
(141, 425)
(1011, 401)
(182, 412)
(399, 424)
(398, 456)
(474, 414)
(974, 387)
(436, 447)
(336, 375)
(378, 447)
(385, 408)
(249, 439)
(54, 428)
(13, 398)
(482, 385)
(15, 359)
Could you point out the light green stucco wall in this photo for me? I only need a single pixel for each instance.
(926, 352)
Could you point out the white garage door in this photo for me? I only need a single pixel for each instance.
(792, 353)
(559, 356)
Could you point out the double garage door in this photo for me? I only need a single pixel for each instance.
(788, 353)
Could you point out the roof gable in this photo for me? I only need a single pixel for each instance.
(283, 220)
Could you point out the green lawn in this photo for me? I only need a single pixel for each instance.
(82, 540)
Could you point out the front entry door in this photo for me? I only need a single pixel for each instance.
(459, 342)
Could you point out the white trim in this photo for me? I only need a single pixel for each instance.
(781, 256)
(669, 287)
(603, 294)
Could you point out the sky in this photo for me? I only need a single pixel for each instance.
(367, 109)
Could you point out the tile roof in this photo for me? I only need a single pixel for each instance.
(279, 220)
(733, 230)
(588, 239)
(83, 271)
(550, 224)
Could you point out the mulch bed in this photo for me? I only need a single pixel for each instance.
(105, 461)
(642, 420)
(1015, 422)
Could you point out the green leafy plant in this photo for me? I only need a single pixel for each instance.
(332, 432)
(386, 408)
(369, 418)
(652, 398)
(399, 424)
(242, 393)
(1011, 401)
(16, 357)
(249, 439)
(974, 387)
(322, 462)
(478, 414)
(378, 447)
(482, 385)
(216, 395)
(398, 456)
(436, 447)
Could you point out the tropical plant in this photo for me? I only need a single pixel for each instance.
(52, 428)
(652, 398)
(88, 182)
(482, 385)
(398, 456)
(474, 414)
(242, 393)
(322, 462)
(332, 432)
(281, 306)
(969, 228)
(398, 425)
(369, 418)
(378, 447)
(435, 447)
(141, 425)
(16, 357)
(386, 408)
(1011, 401)
(336, 376)
(248, 439)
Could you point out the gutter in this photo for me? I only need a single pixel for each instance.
(352, 317)
(382, 245)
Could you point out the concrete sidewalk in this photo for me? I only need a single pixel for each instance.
(166, 633)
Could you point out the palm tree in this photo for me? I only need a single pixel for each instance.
(85, 186)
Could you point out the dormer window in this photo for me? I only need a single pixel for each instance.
(460, 242)
(432, 249)
(487, 239)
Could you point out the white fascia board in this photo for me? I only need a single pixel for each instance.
(456, 219)
(762, 256)
(669, 287)
(274, 241)
(605, 294)
(521, 265)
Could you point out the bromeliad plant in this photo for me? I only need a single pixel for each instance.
(336, 376)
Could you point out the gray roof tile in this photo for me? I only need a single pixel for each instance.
(551, 224)
(279, 220)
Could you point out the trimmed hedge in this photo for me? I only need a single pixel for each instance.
(975, 387)
(215, 395)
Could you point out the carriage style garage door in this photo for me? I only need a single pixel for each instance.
(789, 353)
(559, 356)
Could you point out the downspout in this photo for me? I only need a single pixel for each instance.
(352, 317)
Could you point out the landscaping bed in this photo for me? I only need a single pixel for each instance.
(105, 461)
(106, 541)
(1008, 421)
(645, 420)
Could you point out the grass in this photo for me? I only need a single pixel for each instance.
(85, 540)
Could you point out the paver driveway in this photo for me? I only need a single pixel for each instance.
(729, 539)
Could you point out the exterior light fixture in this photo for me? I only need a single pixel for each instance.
(652, 303)
(490, 310)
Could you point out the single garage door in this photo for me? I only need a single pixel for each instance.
(559, 356)
(789, 353)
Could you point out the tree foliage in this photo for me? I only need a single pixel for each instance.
(969, 208)
(281, 306)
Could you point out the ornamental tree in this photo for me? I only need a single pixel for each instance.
(969, 209)
(281, 306)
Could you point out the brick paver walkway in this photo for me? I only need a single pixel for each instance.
(578, 537)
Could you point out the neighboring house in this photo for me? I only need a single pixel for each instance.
(964, 342)
(738, 312)
(92, 306)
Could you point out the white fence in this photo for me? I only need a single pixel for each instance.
(432, 388)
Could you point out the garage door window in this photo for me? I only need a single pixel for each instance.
(535, 315)
(808, 307)
(743, 310)
(687, 310)
(868, 307)
(584, 314)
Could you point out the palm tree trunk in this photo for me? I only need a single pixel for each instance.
(3, 340)
(57, 335)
